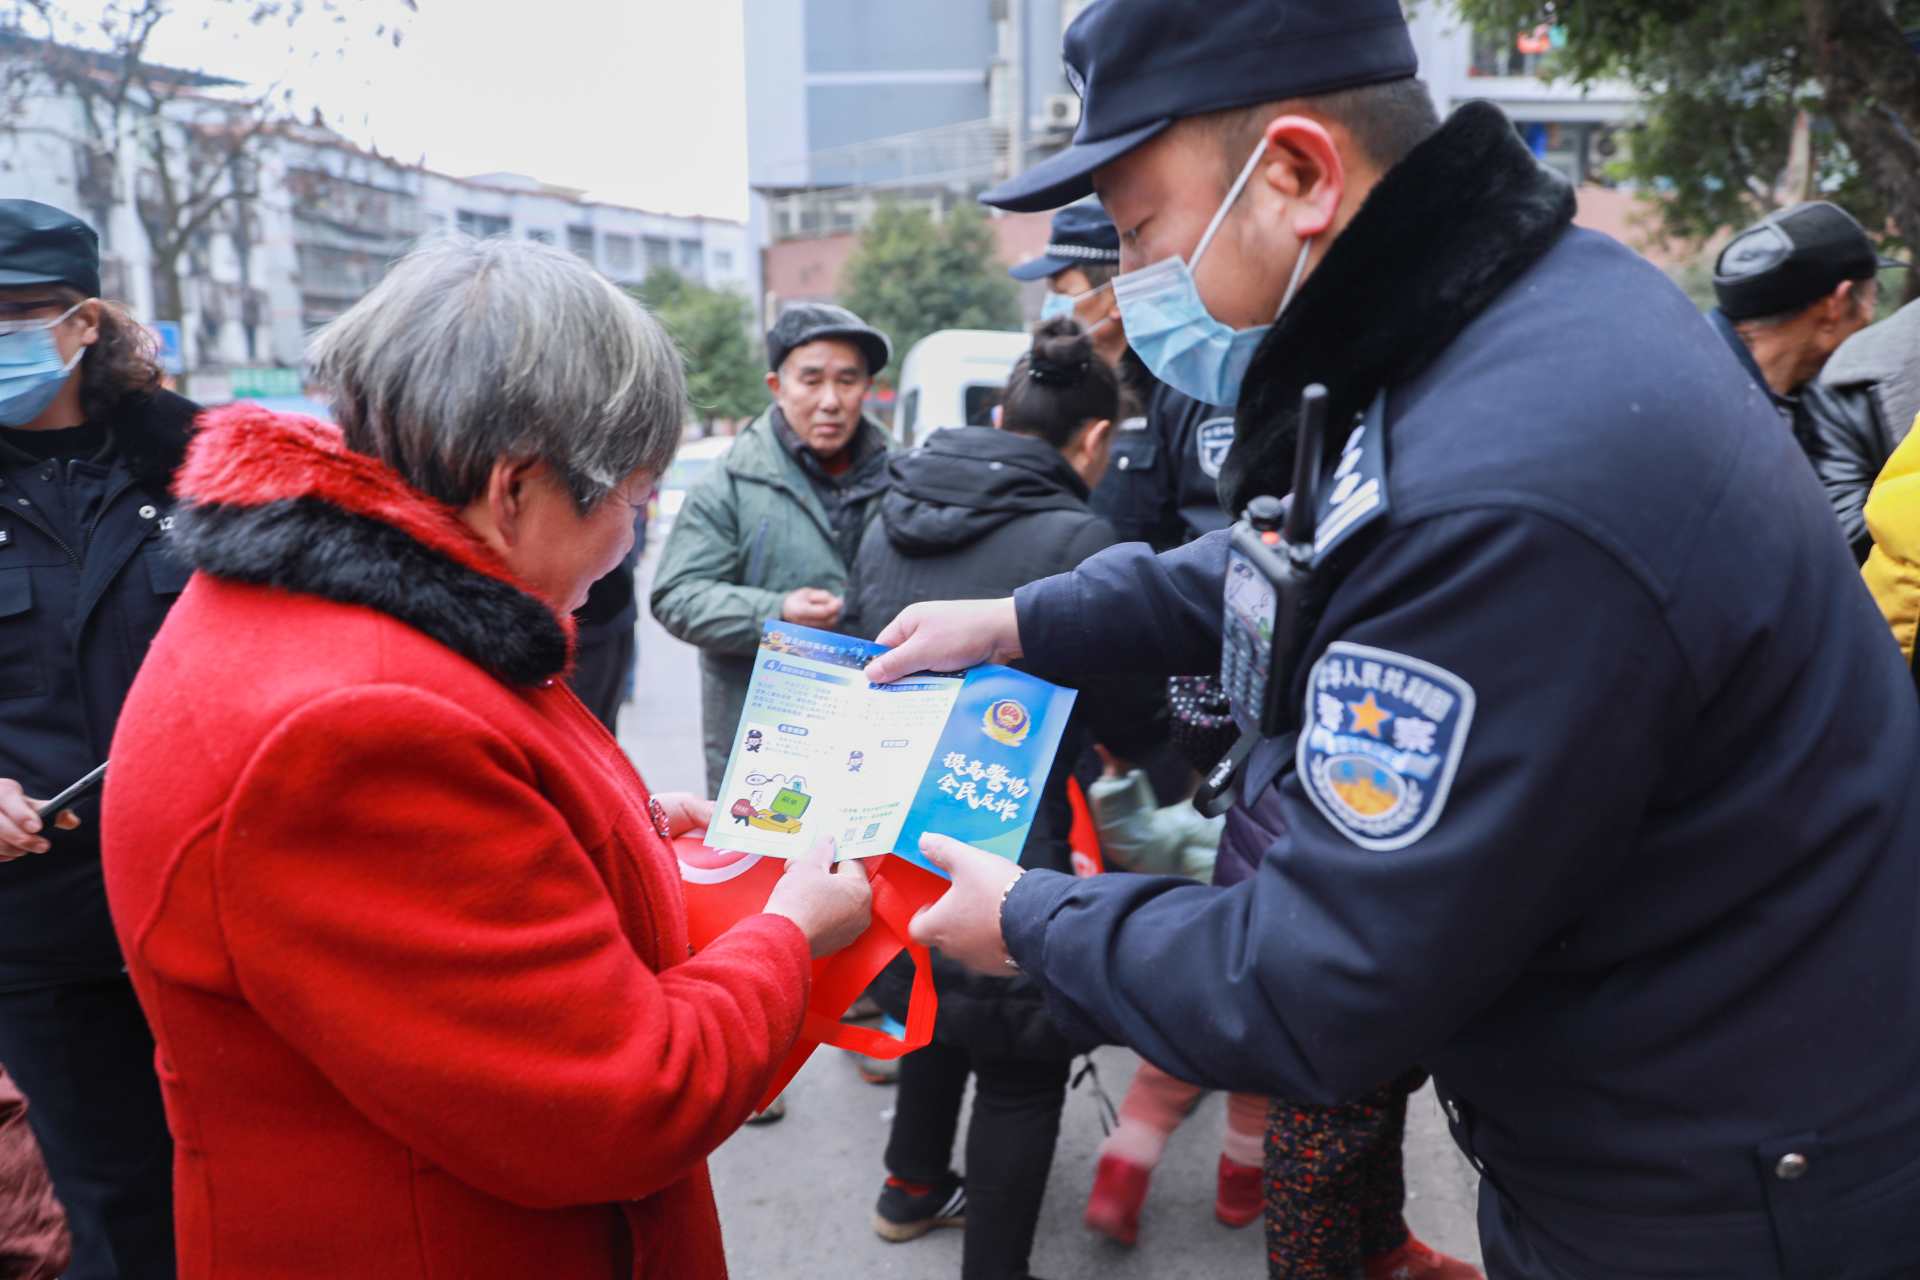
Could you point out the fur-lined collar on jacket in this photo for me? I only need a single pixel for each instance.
(279, 500)
(1445, 231)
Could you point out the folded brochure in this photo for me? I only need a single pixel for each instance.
(821, 751)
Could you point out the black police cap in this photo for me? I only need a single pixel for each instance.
(40, 244)
(812, 321)
(1082, 235)
(1790, 259)
(1139, 65)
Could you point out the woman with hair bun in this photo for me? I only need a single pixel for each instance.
(975, 513)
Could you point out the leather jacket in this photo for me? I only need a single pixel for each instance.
(1840, 429)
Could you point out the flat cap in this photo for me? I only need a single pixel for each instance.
(806, 322)
(1789, 259)
(1139, 65)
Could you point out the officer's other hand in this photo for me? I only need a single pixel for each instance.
(832, 904)
(20, 823)
(965, 922)
(685, 811)
(947, 635)
(810, 607)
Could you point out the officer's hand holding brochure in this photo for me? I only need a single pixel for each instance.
(820, 751)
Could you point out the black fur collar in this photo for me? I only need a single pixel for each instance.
(310, 545)
(151, 433)
(1448, 228)
(278, 500)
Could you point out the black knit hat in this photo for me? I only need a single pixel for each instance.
(1790, 259)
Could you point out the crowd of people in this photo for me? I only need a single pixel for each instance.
(1571, 764)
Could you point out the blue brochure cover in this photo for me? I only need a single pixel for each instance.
(820, 751)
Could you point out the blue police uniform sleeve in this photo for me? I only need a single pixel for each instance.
(1360, 945)
(1127, 611)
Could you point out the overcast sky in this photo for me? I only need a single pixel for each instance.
(639, 101)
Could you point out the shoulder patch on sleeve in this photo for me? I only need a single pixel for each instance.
(1358, 494)
(1384, 734)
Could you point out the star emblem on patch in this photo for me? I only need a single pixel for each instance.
(1382, 740)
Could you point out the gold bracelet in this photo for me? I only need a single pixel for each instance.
(1011, 962)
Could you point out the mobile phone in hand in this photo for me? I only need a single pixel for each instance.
(77, 792)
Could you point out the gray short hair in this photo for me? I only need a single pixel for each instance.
(474, 350)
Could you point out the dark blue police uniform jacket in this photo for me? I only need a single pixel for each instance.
(1661, 934)
(1159, 483)
(86, 579)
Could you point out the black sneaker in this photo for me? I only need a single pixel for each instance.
(900, 1215)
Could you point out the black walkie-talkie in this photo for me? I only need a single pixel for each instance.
(1269, 563)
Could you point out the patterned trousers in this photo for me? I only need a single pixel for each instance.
(1334, 1183)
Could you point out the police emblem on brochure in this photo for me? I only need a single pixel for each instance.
(1384, 734)
(1007, 722)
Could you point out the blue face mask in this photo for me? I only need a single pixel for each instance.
(1055, 305)
(31, 371)
(1170, 328)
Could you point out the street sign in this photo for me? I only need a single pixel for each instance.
(167, 332)
(255, 384)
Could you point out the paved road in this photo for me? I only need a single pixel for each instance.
(796, 1197)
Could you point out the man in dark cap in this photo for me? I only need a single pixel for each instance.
(1792, 289)
(1589, 772)
(88, 444)
(769, 530)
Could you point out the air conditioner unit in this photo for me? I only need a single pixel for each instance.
(1060, 110)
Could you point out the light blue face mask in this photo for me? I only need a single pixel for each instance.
(31, 371)
(1170, 328)
(1055, 305)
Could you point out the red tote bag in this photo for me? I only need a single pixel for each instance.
(723, 888)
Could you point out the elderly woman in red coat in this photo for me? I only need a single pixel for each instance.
(405, 921)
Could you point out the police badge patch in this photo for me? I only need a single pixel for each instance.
(1384, 736)
(1213, 439)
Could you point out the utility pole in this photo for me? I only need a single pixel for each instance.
(1017, 87)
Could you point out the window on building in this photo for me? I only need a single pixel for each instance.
(690, 254)
(1510, 54)
(659, 252)
(619, 255)
(539, 235)
(723, 261)
(482, 226)
(580, 242)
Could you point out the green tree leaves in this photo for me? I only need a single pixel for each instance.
(715, 334)
(1721, 83)
(912, 276)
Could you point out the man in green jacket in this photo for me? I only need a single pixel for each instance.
(769, 531)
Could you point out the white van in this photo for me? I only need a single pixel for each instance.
(953, 378)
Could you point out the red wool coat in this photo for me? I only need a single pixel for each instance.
(414, 954)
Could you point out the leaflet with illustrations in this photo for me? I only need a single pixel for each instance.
(820, 751)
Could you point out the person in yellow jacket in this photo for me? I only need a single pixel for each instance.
(1892, 570)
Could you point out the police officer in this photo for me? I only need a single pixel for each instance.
(1600, 774)
(1160, 487)
(88, 444)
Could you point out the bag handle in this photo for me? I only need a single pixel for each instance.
(892, 909)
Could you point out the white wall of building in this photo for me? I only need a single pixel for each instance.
(624, 243)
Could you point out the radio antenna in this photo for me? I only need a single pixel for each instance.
(1308, 450)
